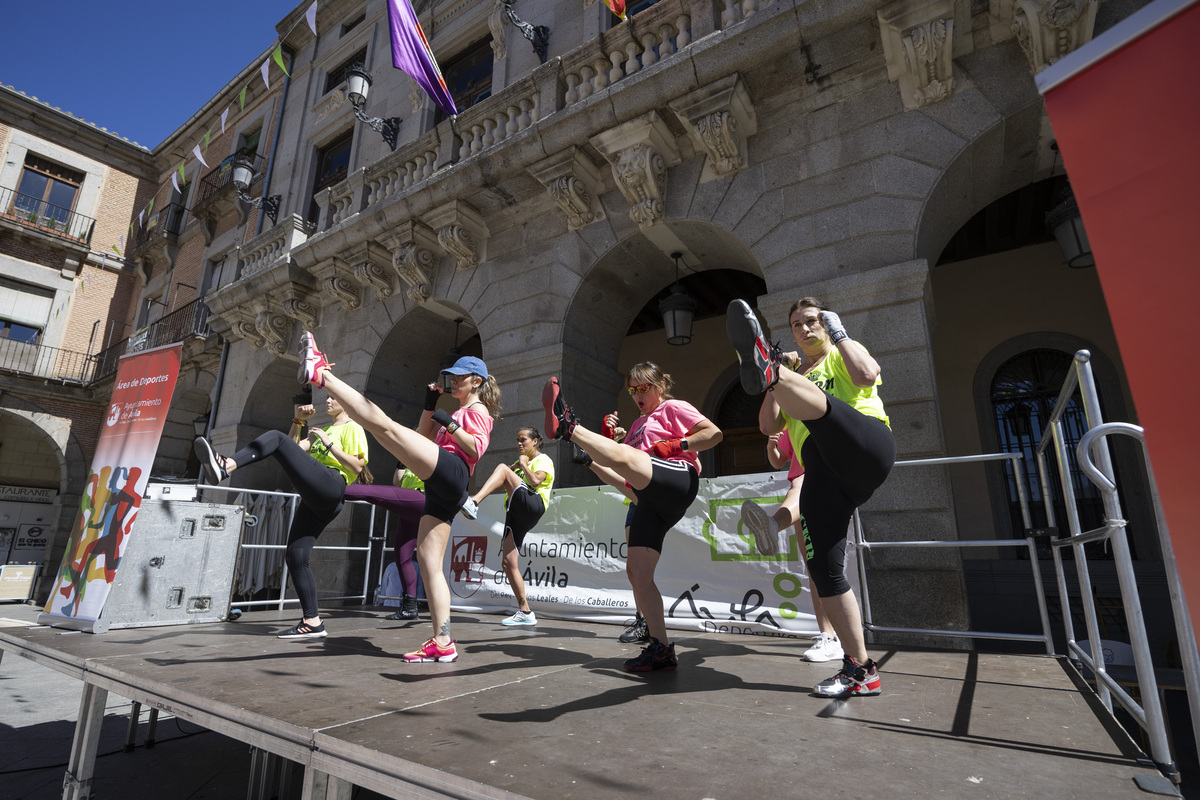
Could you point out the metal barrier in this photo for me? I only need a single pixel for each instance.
(1149, 714)
(283, 599)
(1028, 542)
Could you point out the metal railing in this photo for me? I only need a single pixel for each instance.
(1027, 542)
(179, 325)
(282, 599)
(33, 212)
(1149, 713)
(167, 222)
(40, 361)
(219, 178)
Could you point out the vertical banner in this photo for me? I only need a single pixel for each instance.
(115, 485)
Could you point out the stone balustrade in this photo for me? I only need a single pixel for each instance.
(274, 245)
(408, 166)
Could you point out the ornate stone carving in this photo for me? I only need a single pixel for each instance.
(303, 310)
(337, 281)
(371, 261)
(496, 23)
(414, 257)
(331, 103)
(1047, 30)
(461, 232)
(416, 97)
(574, 184)
(640, 152)
(245, 329)
(920, 40)
(719, 117)
(275, 328)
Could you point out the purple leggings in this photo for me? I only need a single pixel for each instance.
(406, 505)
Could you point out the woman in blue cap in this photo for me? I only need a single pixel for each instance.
(442, 451)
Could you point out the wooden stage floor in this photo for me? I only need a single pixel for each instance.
(548, 712)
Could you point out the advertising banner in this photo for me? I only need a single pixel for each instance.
(710, 575)
(113, 492)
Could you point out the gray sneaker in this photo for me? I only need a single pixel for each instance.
(470, 509)
(520, 618)
(763, 526)
(636, 632)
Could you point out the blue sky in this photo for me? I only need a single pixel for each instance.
(140, 69)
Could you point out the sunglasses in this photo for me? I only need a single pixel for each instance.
(640, 389)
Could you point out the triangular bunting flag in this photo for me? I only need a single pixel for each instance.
(200, 158)
(207, 136)
(278, 56)
(224, 116)
(310, 17)
(150, 208)
(175, 183)
(242, 98)
(617, 7)
(182, 174)
(263, 70)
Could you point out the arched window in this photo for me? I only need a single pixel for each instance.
(1024, 391)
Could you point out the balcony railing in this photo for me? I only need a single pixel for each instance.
(179, 325)
(219, 178)
(33, 212)
(39, 361)
(167, 222)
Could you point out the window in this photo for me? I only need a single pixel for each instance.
(47, 190)
(15, 331)
(248, 143)
(352, 24)
(337, 75)
(333, 164)
(469, 76)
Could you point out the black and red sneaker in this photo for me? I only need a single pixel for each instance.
(759, 358)
(560, 420)
(655, 656)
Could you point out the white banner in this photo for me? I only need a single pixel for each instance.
(710, 575)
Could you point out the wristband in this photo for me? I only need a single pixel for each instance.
(431, 399)
(452, 427)
(443, 418)
(301, 422)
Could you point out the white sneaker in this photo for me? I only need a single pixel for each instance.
(470, 509)
(763, 526)
(825, 648)
(520, 618)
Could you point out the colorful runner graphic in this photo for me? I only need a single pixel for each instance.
(120, 470)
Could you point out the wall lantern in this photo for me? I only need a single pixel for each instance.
(200, 424)
(358, 86)
(678, 310)
(243, 174)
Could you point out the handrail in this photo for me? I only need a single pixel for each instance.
(1028, 542)
(42, 361)
(1183, 620)
(1149, 715)
(34, 212)
(182, 323)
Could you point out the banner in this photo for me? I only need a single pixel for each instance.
(120, 470)
(710, 576)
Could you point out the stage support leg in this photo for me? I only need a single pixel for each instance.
(77, 782)
(323, 786)
(135, 716)
(151, 728)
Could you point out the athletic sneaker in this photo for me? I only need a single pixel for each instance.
(759, 358)
(470, 509)
(763, 526)
(636, 632)
(825, 648)
(213, 469)
(560, 420)
(302, 630)
(580, 456)
(432, 651)
(853, 679)
(312, 361)
(520, 618)
(655, 656)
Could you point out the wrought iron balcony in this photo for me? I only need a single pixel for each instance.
(40, 361)
(221, 177)
(166, 224)
(35, 213)
(178, 326)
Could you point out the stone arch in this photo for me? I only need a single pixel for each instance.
(56, 432)
(191, 399)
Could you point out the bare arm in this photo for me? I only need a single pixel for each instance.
(770, 416)
(863, 369)
(354, 463)
(774, 454)
(703, 435)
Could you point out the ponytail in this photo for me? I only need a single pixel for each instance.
(489, 395)
(365, 475)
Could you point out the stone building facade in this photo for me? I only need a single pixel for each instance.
(893, 158)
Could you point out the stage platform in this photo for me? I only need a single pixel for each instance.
(548, 712)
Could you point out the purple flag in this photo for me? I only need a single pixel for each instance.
(411, 53)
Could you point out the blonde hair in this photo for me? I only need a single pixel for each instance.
(489, 395)
(649, 372)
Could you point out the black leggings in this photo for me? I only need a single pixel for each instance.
(321, 491)
(847, 455)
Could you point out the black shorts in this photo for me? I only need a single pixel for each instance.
(673, 487)
(525, 508)
(446, 488)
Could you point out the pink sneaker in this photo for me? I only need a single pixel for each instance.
(432, 651)
(312, 361)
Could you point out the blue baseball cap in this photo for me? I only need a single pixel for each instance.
(468, 365)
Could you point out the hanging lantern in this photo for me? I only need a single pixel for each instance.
(1066, 223)
(678, 310)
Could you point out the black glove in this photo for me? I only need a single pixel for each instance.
(442, 417)
(431, 399)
